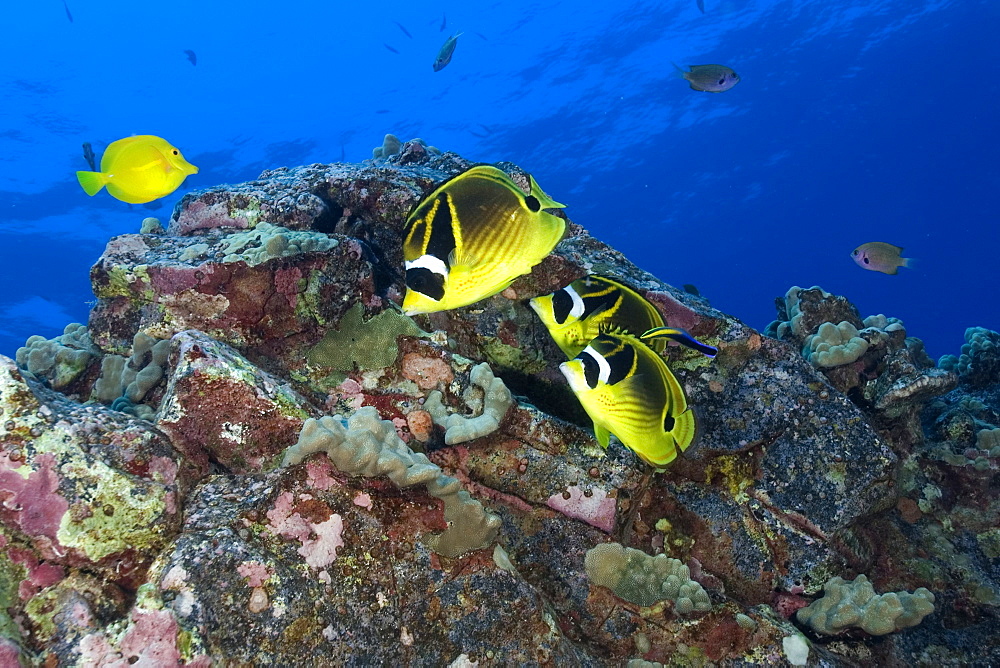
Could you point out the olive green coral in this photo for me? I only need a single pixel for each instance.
(267, 241)
(854, 603)
(643, 579)
(368, 345)
(61, 360)
(496, 401)
(366, 445)
(834, 345)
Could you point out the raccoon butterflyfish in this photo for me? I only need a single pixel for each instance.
(472, 236)
(138, 169)
(628, 391)
(594, 304)
(679, 335)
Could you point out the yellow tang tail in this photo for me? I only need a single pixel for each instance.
(92, 182)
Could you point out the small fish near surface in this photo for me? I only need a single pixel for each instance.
(88, 155)
(710, 78)
(472, 236)
(446, 52)
(138, 169)
(880, 256)
(192, 56)
(701, 5)
(628, 390)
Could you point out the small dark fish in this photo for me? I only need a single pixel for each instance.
(444, 22)
(381, 111)
(701, 6)
(390, 48)
(478, 134)
(487, 128)
(192, 56)
(88, 155)
(880, 256)
(68, 15)
(343, 153)
(405, 31)
(691, 290)
(444, 55)
(710, 78)
(481, 36)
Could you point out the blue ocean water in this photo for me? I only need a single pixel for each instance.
(853, 122)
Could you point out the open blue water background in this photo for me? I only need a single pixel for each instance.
(854, 122)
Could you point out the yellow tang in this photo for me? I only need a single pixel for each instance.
(628, 390)
(472, 236)
(138, 169)
(594, 304)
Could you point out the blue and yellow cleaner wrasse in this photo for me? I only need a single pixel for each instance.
(628, 390)
(472, 236)
(138, 169)
(594, 304)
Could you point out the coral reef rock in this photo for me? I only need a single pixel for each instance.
(442, 499)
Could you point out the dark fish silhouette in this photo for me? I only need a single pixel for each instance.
(710, 78)
(405, 31)
(444, 55)
(481, 36)
(444, 22)
(701, 6)
(68, 15)
(691, 290)
(390, 48)
(88, 155)
(191, 56)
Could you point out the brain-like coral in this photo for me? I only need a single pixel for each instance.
(496, 401)
(643, 579)
(847, 604)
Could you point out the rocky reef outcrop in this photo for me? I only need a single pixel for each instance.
(146, 516)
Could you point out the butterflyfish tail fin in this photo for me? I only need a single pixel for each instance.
(602, 435)
(92, 182)
(684, 429)
(682, 337)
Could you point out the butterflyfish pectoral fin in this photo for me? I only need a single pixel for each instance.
(92, 182)
(682, 337)
(602, 435)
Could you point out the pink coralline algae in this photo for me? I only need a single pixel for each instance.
(33, 502)
(426, 372)
(39, 574)
(596, 509)
(255, 572)
(320, 540)
(286, 282)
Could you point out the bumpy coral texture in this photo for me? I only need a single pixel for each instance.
(643, 579)
(496, 401)
(60, 360)
(979, 363)
(365, 445)
(854, 603)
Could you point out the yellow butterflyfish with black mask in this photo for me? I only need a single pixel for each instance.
(138, 169)
(472, 236)
(594, 304)
(628, 390)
